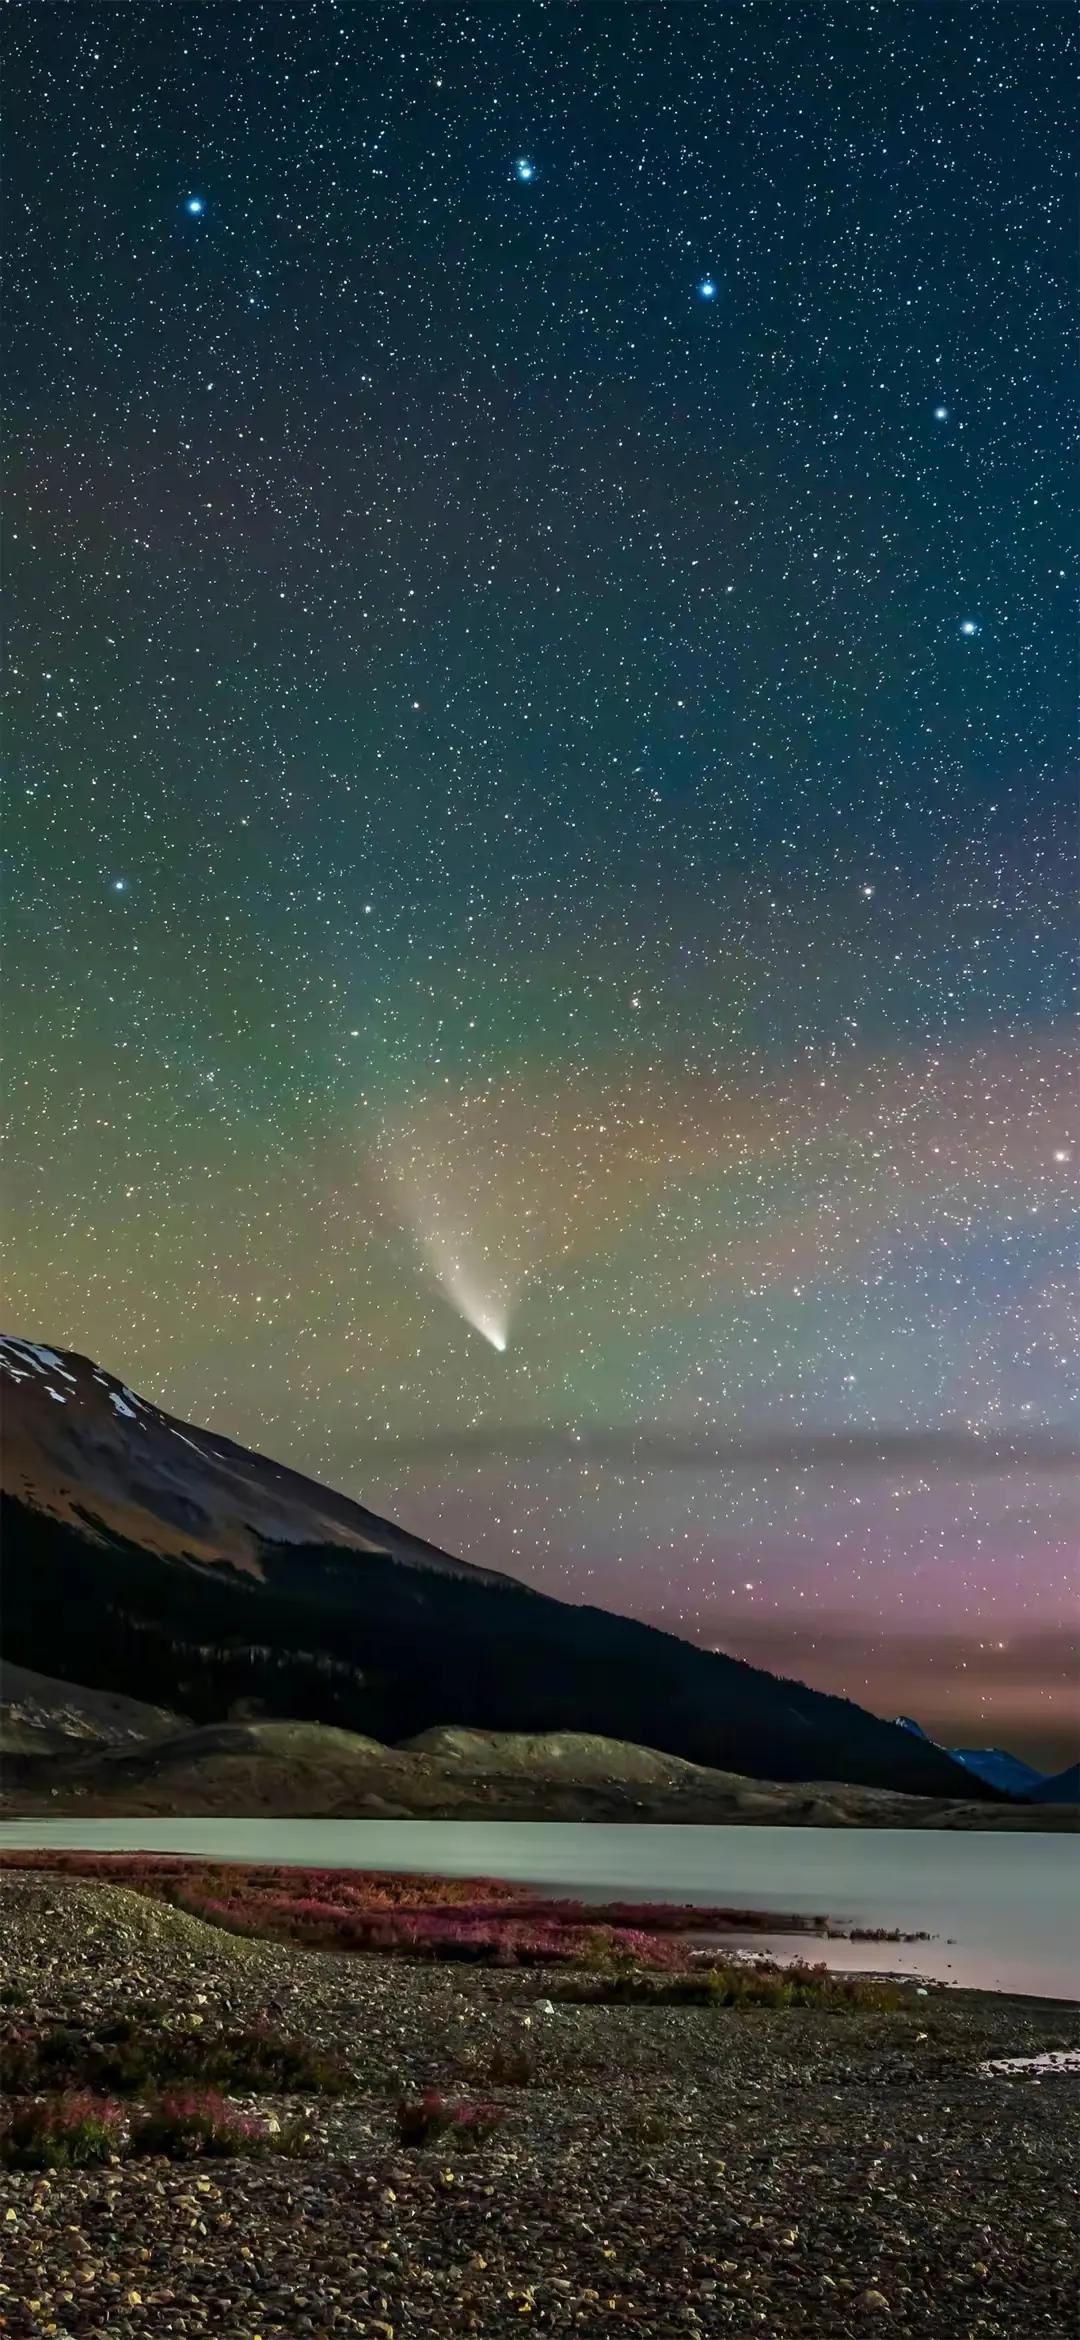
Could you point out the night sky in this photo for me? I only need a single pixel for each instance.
(540, 891)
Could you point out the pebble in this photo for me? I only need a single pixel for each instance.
(797, 2174)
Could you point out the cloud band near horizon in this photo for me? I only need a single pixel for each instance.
(965, 1453)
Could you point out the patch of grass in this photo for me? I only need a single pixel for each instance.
(130, 2056)
(647, 2124)
(61, 2132)
(727, 1985)
(512, 2066)
(434, 2118)
(73, 2128)
(199, 2121)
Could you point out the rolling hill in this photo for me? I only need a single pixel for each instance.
(294, 1770)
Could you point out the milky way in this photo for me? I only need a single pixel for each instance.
(541, 790)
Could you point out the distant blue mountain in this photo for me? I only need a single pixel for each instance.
(1063, 1788)
(1000, 1769)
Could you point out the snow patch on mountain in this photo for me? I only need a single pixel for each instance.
(21, 1358)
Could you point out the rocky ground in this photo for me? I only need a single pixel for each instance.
(666, 2172)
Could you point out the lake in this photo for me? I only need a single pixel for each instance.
(1004, 1909)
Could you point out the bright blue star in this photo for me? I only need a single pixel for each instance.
(524, 169)
(119, 885)
(970, 626)
(707, 289)
(941, 414)
(195, 206)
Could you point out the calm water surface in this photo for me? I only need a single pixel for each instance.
(1005, 1910)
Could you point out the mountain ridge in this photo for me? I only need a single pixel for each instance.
(1000, 1769)
(157, 1560)
(21, 1360)
(1063, 1787)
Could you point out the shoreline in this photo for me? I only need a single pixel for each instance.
(958, 1913)
(756, 1805)
(817, 2172)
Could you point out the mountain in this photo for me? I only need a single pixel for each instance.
(995, 1765)
(164, 1563)
(76, 1441)
(1063, 1788)
(999, 1769)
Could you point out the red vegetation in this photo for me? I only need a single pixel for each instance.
(200, 2121)
(61, 2132)
(471, 1918)
(161, 1873)
(129, 2054)
(76, 2128)
(424, 2120)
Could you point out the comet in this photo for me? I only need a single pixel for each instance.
(454, 1185)
(486, 1312)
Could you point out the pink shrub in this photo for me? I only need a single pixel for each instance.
(198, 2121)
(422, 2120)
(61, 2132)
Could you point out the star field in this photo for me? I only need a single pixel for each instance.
(542, 820)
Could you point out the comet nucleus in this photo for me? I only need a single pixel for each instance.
(487, 1314)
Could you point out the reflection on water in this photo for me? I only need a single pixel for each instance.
(1004, 1910)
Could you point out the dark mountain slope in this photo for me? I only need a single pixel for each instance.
(993, 1764)
(366, 1628)
(1063, 1788)
(1000, 1769)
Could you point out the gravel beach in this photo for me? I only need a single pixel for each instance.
(667, 2171)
